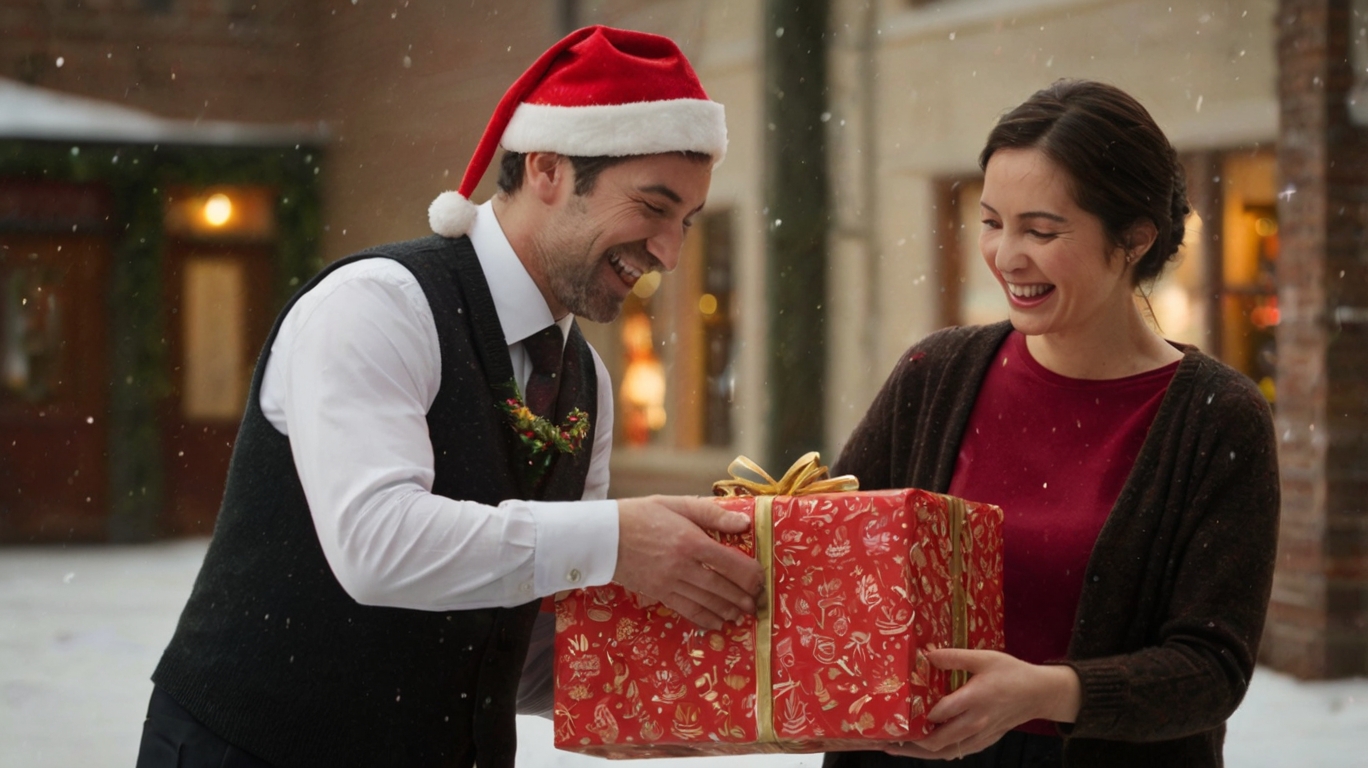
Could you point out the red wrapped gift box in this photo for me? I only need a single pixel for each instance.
(860, 585)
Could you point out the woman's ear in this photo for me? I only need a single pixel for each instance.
(1139, 238)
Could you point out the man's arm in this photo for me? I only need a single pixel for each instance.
(357, 371)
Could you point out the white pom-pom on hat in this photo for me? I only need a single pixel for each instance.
(598, 92)
(451, 214)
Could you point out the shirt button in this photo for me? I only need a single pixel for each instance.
(573, 576)
(525, 587)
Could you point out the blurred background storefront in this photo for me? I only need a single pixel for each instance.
(142, 260)
(759, 344)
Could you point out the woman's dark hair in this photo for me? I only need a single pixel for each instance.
(1123, 168)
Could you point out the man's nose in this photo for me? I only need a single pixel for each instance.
(666, 246)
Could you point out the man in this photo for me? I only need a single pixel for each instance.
(424, 453)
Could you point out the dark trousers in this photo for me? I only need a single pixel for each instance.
(1014, 750)
(173, 739)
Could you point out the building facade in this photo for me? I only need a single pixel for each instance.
(912, 89)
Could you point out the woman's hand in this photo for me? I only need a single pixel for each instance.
(1002, 693)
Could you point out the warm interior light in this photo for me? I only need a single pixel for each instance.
(218, 209)
(647, 285)
(707, 303)
(643, 383)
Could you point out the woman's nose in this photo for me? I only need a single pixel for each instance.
(1009, 255)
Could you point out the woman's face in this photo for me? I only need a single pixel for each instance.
(1050, 256)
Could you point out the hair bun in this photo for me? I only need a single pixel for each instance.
(1179, 208)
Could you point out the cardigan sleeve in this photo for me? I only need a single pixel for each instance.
(868, 452)
(909, 437)
(1214, 546)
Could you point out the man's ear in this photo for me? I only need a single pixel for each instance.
(548, 176)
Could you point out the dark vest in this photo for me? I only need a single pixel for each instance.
(273, 655)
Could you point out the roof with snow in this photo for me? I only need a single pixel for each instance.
(28, 112)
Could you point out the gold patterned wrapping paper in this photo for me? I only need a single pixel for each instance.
(861, 585)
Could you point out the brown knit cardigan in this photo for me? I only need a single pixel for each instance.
(1177, 586)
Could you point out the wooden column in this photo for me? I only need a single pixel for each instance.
(797, 221)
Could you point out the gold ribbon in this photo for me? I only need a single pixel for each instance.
(764, 623)
(959, 618)
(806, 476)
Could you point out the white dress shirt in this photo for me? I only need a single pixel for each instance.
(351, 376)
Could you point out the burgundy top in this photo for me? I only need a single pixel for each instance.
(1176, 590)
(1053, 452)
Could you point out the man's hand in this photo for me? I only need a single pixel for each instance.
(1002, 693)
(664, 554)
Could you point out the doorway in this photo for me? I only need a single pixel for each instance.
(220, 303)
(54, 386)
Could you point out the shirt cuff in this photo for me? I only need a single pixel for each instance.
(577, 544)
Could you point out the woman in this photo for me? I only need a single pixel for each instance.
(1138, 477)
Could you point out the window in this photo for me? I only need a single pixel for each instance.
(677, 345)
(1247, 291)
(971, 295)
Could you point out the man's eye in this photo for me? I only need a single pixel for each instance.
(655, 209)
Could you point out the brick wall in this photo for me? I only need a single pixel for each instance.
(407, 90)
(1318, 620)
(247, 60)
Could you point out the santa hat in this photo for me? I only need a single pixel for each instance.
(599, 92)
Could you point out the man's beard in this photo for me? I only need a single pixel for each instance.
(576, 284)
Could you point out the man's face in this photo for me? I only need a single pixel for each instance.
(594, 247)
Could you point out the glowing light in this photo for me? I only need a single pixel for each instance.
(647, 285)
(707, 303)
(218, 209)
(1266, 315)
(1265, 227)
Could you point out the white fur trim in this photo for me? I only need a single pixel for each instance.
(618, 130)
(451, 214)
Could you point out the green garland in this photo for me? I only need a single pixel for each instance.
(137, 176)
(540, 438)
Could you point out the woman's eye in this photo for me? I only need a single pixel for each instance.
(1041, 235)
(990, 224)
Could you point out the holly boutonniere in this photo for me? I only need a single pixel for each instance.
(542, 438)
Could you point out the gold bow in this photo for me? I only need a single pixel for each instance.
(806, 476)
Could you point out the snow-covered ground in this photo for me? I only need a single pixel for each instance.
(82, 627)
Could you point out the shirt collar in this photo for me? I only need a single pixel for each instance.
(521, 307)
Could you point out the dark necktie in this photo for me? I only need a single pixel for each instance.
(544, 351)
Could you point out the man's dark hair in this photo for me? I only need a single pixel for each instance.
(587, 169)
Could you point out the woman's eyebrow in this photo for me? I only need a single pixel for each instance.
(1029, 214)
